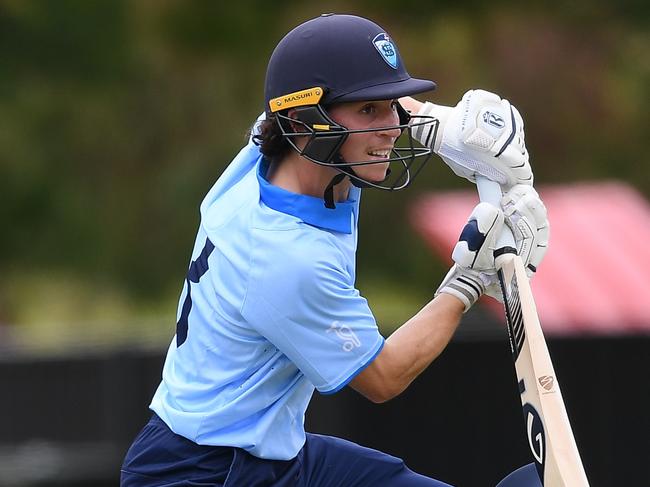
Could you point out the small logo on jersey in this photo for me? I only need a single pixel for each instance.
(546, 381)
(386, 48)
(494, 120)
(350, 339)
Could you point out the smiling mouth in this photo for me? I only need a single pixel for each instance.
(384, 153)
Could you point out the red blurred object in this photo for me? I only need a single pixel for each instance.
(595, 277)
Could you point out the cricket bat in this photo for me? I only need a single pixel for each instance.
(548, 430)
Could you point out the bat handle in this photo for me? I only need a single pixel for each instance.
(490, 192)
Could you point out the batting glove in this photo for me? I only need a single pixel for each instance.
(527, 217)
(474, 273)
(482, 135)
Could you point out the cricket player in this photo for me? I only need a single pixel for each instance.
(269, 311)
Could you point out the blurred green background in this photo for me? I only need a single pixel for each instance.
(117, 116)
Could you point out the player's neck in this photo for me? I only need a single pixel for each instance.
(299, 175)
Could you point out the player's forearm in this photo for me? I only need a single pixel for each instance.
(421, 339)
(421, 112)
(413, 106)
(410, 349)
(410, 104)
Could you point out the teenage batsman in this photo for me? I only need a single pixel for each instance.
(269, 310)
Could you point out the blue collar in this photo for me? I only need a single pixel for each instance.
(309, 209)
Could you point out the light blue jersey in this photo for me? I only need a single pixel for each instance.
(269, 311)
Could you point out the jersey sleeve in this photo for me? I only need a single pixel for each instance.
(309, 309)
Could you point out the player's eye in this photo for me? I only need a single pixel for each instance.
(368, 109)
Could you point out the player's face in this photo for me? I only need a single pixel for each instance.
(369, 146)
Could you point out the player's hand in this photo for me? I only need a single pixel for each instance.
(475, 247)
(474, 273)
(482, 135)
(526, 216)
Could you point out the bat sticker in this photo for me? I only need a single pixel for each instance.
(536, 437)
(513, 314)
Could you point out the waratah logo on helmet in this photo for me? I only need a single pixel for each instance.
(386, 48)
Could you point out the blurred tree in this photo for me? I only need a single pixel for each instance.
(116, 117)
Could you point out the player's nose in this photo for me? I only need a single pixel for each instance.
(390, 126)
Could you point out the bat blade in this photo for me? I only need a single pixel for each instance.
(549, 433)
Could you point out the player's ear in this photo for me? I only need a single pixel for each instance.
(295, 123)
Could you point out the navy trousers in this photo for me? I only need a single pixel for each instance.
(159, 457)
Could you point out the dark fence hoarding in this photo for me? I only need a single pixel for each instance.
(68, 420)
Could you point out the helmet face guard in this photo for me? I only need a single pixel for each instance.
(323, 139)
(336, 59)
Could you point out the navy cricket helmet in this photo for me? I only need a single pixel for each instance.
(334, 59)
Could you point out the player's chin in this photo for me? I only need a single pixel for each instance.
(375, 173)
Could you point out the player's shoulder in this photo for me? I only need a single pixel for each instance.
(308, 253)
(297, 241)
(233, 202)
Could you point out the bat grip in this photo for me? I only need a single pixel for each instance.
(490, 192)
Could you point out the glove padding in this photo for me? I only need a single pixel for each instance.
(477, 241)
(482, 135)
(474, 272)
(526, 216)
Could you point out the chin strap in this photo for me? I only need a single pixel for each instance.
(328, 196)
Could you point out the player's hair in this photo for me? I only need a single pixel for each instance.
(273, 145)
